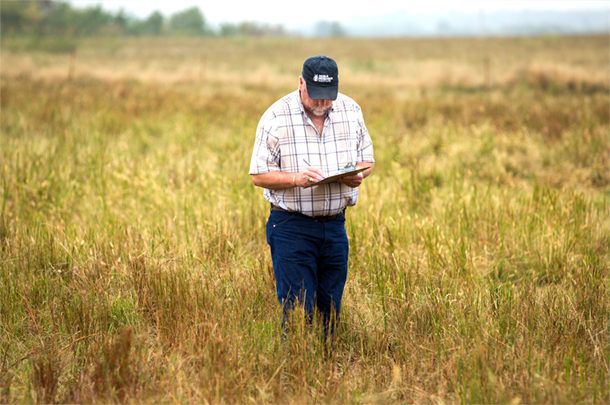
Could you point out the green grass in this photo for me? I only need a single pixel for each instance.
(134, 266)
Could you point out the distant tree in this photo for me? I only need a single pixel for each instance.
(90, 20)
(121, 22)
(187, 22)
(17, 17)
(252, 29)
(153, 25)
(328, 29)
(57, 19)
(228, 30)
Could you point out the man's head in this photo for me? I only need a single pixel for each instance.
(321, 76)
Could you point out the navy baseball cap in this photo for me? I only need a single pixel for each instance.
(321, 76)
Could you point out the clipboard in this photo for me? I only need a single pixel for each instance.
(335, 177)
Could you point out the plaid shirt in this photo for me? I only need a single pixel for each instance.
(286, 137)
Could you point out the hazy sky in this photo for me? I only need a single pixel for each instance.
(306, 12)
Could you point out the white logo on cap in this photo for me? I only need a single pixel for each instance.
(322, 78)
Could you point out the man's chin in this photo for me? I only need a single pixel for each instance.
(319, 112)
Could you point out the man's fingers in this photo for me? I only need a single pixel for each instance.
(313, 173)
(352, 181)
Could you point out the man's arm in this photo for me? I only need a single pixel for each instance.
(277, 180)
(356, 179)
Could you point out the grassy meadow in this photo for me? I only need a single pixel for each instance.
(133, 260)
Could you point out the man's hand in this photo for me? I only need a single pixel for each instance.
(352, 181)
(355, 180)
(309, 176)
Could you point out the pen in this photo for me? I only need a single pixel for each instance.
(310, 165)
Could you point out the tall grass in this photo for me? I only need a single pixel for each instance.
(134, 266)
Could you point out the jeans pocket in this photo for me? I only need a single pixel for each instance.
(274, 223)
(283, 221)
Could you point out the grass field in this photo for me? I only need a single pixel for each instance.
(134, 266)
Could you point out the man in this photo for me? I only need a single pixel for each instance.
(308, 134)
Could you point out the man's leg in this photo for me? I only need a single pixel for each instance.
(332, 272)
(294, 248)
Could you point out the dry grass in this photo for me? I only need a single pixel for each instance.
(134, 266)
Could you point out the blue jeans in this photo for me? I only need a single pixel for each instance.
(309, 262)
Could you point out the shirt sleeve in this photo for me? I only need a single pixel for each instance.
(265, 154)
(365, 143)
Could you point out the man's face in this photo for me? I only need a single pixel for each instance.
(317, 108)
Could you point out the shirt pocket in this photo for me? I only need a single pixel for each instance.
(345, 153)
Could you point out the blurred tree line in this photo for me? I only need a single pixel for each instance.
(58, 18)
